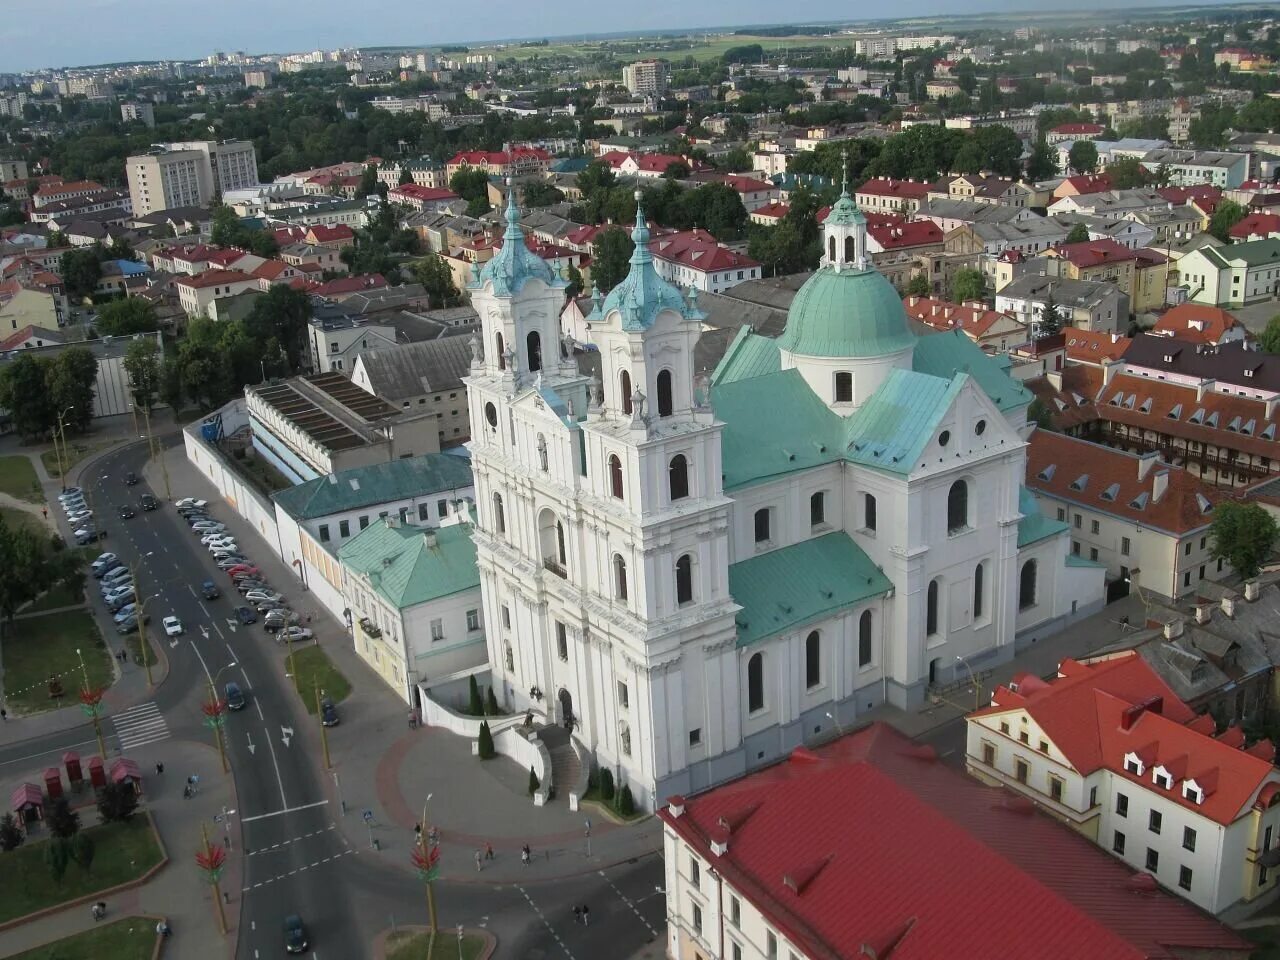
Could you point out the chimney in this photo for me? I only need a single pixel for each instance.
(429, 539)
(1229, 605)
(1252, 590)
(1173, 629)
(675, 806)
(719, 840)
(1271, 407)
(1203, 387)
(1159, 485)
(1203, 612)
(1145, 462)
(1109, 368)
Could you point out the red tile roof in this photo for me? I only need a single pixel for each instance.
(950, 868)
(1195, 322)
(271, 269)
(698, 250)
(478, 158)
(1091, 253)
(213, 278)
(412, 191)
(1092, 346)
(889, 187)
(326, 234)
(973, 319)
(196, 253)
(774, 208)
(1256, 226)
(226, 257)
(354, 284)
(902, 236)
(1078, 128)
(63, 188)
(1107, 479)
(1088, 183)
(30, 332)
(1093, 713)
(742, 184)
(1201, 192)
(659, 162)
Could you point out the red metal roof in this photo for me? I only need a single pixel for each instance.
(870, 844)
(1092, 346)
(413, 191)
(775, 209)
(1078, 128)
(213, 278)
(1091, 253)
(889, 187)
(698, 250)
(901, 236)
(1256, 226)
(1089, 183)
(1196, 322)
(975, 320)
(26, 795)
(354, 284)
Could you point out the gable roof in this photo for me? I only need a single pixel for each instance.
(946, 354)
(379, 483)
(973, 319)
(411, 369)
(408, 565)
(1094, 346)
(896, 422)
(868, 846)
(1196, 322)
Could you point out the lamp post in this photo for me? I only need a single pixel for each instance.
(215, 715)
(211, 859)
(143, 650)
(61, 433)
(91, 702)
(426, 859)
(151, 449)
(324, 731)
(977, 688)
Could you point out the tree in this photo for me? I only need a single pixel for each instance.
(1243, 535)
(437, 279)
(1127, 173)
(1039, 414)
(1083, 156)
(1270, 338)
(405, 177)
(606, 784)
(475, 707)
(283, 313)
(11, 835)
(919, 286)
(626, 804)
(968, 285)
(81, 271)
(490, 702)
(369, 182)
(117, 803)
(542, 195)
(534, 782)
(1050, 319)
(24, 395)
(1226, 216)
(62, 821)
(1078, 234)
(142, 365)
(1043, 162)
(226, 230)
(595, 178)
(472, 185)
(121, 318)
(576, 283)
(82, 851)
(613, 252)
(485, 740)
(677, 170)
(716, 207)
(70, 380)
(57, 856)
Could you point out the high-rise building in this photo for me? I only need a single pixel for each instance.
(138, 111)
(189, 174)
(646, 77)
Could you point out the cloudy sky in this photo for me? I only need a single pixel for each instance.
(58, 33)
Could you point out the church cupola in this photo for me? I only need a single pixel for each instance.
(844, 235)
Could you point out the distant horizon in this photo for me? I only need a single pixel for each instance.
(137, 31)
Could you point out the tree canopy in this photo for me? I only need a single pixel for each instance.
(121, 318)
(612, 255)
(1083, 156)
(1243, 535)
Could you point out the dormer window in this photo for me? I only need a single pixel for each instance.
(1080, 482)
(1133, 765)
(1162, 779)
(1190, 791)
(1047, 472)
(1111, 492)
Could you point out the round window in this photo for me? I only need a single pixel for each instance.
(491, 414)
(980, 427)
(944, 438)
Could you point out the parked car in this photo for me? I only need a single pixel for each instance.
(295, 935)
(264, 607)
(205, 527)
(235, 696)
(220, 542)
(127, 512)
(286, 618)
(230, 560)
(103, 564)
(148, 502)
(70, 493)
(87, 535)
(210, 536)
(115, 575)
(173, 627)
(74, 505)
(246, 569)
(329, 713)
(130, 478)
(188, 502)
(80, 516)
(197, 517)
(263, 594)
(127, 610)
(209, 590)
(295, 634)
(127, 626)
(120, 600)
(250, 583)
(246, 615)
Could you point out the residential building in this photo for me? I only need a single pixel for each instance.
(887, 195)
(1256, 226)
(915, 236)
(1027, 237)
(1097, 260)
(1090, 305)
(869, 846)
(429, 199)
(1130, 512)
(516, 162)
(1074, 131)
(189, 174)
(984, 189)
(688, 540)
(112, 393)
(1233, 275)
(646, 78)
(1109, 749)
(693, 258)
(1093, 347)
(414, 597)
(1186, 167)
(1200, 324)
(141, 112)
(196, 293)
(422, 376)
(990, 329)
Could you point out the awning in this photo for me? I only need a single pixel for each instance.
(25, 796)
(123, 768)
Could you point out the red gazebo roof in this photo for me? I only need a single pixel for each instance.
(25, 796)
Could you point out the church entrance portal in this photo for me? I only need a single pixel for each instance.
(566, 708)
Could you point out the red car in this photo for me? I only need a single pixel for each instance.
(243, 570)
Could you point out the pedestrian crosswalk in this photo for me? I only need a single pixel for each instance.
(140, 725)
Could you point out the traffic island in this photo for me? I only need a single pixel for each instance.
(312, 670)
(412, 943)
(133, 938)
(39, 649)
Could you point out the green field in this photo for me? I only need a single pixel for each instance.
(123, 852)
(13, 518)
(18, 479)
(666, 48)
(74, 453)
(59, 596)
(133, 938)
(316, 670)
(403, 945)
(35, 648)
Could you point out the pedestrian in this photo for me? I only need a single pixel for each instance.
(4, 714)
(44, 512)
(417, 831)
(488, 850)
(586, 915)
(524, 855)
(159, 768)
(186, 791)
(577, 914)
(226, 842)
(478, 858)
(163, 929)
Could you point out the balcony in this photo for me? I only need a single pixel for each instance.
(556, 567)
(370, 629)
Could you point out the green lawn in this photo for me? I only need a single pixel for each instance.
(135, 647)
(35, 648)
(122, 852)
(667, 47)
(403, 945)
(18, 479)
(315, 670)
(59, 596)
(14, 518)
(133, 938)
(74, 453)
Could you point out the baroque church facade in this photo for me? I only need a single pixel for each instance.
(705, 572)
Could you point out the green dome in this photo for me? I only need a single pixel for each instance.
(846, 313)
(845, 213)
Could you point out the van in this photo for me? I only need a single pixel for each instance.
(235, 696)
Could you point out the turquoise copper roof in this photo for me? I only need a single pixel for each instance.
(1034, 525)
(408, 566)
(378, 483)
(642, 294)
(515, 264)
(749, 355)
(891, 429)
(846, 313)
(845, 213)
(946, 354)
(790, 588)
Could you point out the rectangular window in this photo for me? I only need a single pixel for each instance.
(1189, 839)
(404, 514)
(1117, 843)
(1186, 579)
(562, 641)
(1062, 514)
(1184, 878)
(1153, 859)
(695, 737)
(344, 528)
(1124, 546)
(624, 698)
(1079, 521)
(695, 873)
(1094, 526)
(735, 911)
(1122, 805)
(1075, 547)
(1093, 796)
(1044, 746)
(1154, 821)
(697, 918)
(473, 620)
(737, 951)
(437, 629)
(1093, 554)
(1024, 737)
(506, 617)
(424, 512)
(770, 945)
(364, 522)
(1020, 771)
(442, 508)
(762, 525)
(1055, 788)
(324, 533)
(989, 754)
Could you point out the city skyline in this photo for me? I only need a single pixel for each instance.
(114, 31)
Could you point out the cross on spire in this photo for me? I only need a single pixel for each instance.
(844, 171)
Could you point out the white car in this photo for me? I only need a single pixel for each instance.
(209, 536)
(226, 543)
(173, 627)
(208, 526)
(191, 502)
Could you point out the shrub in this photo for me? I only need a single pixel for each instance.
(11, 835)
(62, 821)
(117, 803)
(490, 703)
(474, 707)
(606, 784)
(56, 857)
(486, 741)
(82, 851)
(626, 806)
(534, 782)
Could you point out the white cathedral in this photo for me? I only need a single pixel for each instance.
(704, 573)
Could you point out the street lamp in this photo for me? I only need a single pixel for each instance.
(324, 731)
(151, 452)
(91, 701)
(143, 650)
(215, 714)
(426, 859)
(977, 688)
(61, 433)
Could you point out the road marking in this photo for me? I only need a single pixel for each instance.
(627, 900)
(204, 609)
(279, 813)
(221, 635)
(275, 763)
(286, 733)
(193, 592)
(291, 873)
(250, 739)
(285, 843)
(545, 922)
(140, 725)
(57, 750)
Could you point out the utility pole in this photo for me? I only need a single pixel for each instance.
(143, 650)
(211, 859)
(152, 449)
(324, 733)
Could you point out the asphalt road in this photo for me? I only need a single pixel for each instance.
(295, 859)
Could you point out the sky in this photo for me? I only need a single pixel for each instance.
(68, 33)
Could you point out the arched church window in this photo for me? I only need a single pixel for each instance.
(684, 579)
(499, 514)
(849, 249)
(957, 507)
(1027, 585)
(664, 393)
(755, 683)
(678, 477)
(534, 344)
(831, 249)
(501, 351)
(491, 415)
(624, 386)
(615, 476)
(619, 577)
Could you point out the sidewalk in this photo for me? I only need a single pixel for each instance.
(382, 766)
(178, 891)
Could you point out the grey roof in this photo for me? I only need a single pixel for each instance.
(727, 311)
(1224, 362)
(383, 299)
(1076, 293)
(427, 475)
(174, 215)
(398, 373)
(775, 292)
(1040, 228)
(972, 211)
(1202, 158)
